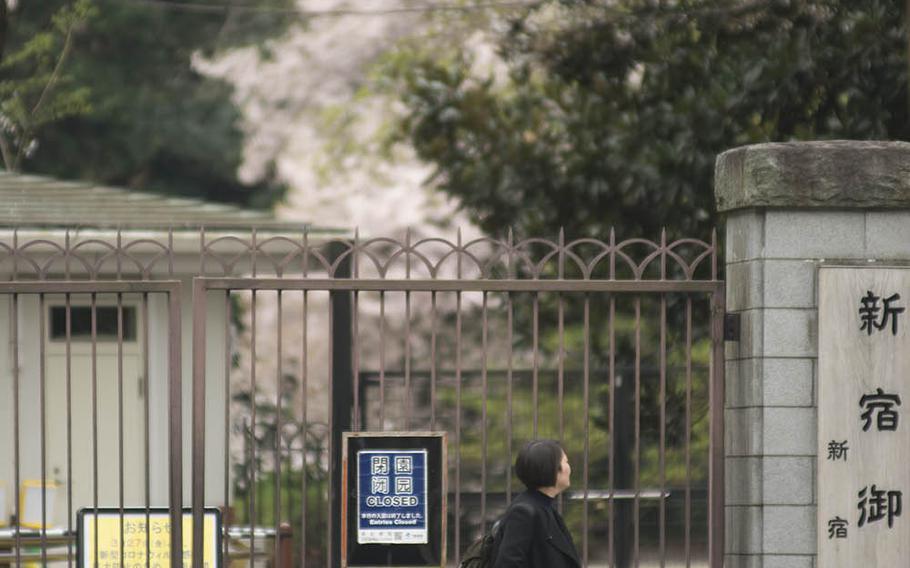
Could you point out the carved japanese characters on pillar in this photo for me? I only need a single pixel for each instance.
(863, 441)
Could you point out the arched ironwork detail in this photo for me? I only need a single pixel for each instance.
(380, 257)
(227, 267)
(31, 261)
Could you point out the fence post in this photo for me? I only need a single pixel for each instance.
(342, 389)
(285, 546)
(790, 208)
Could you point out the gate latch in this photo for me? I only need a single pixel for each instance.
(731, 327)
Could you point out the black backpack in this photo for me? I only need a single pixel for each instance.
(482, 552)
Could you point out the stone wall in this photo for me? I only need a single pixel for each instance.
(790, 208)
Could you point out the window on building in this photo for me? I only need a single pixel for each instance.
(81, 323)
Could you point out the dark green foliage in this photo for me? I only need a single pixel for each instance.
(36, 88)
(613, 113)
(145, 117)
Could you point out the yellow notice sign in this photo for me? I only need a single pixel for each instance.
(101, 546)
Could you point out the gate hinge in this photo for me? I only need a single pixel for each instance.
(731, 327)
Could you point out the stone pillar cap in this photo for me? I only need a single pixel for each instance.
(836, 174)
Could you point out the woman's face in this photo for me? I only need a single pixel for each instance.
(563, 474)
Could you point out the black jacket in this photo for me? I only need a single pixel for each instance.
(533, 535)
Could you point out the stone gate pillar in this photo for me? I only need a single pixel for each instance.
(790, 208)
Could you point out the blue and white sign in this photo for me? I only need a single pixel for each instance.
(392, 497)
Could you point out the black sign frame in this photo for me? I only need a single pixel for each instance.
(429, 555)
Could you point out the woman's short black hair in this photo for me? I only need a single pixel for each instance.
(538, 462)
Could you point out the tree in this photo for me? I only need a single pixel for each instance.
(129, 108)
(35, 89)
(613, 113)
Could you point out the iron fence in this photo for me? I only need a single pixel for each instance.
(612, 347)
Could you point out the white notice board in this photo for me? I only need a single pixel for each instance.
(863, 417)
(33, 507)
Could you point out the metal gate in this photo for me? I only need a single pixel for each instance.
(65, 307)
(612, 347)
(424, 310)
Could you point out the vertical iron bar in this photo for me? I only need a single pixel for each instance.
(433, 328)
(688, 507)
(407, 359)
(331, 438)
(146, 420)
(14, 329)
(119, 253)
(560, 376)
(303, 420)
(355, 355)
(69, 406)
(611, 504)
(509, 373)
(340, 386)
(198, 476)
(587, 419)
(228, 358)
(382, 360)
(14, 332)
(509, 379)
(458, 408)
(252, 470)
(535, 347)
(69, 423)
(66, 254)
(663, 430)
(304, 361)
(94, 300)
(483, 421)
(458, 394)
(254, 250)
(341, 382)
(42, 382)
(637, 444)
(407, 336)
(120, 416)
(355, 332)
(614, 438)
(716, 404)
(175, 428)
(561, 347)
(714, 253)
(457, 427)
(663, 403)
(278, 429)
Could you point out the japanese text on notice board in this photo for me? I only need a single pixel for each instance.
(392, 497)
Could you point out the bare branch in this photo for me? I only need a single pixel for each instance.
(27, 129)
(67, 47)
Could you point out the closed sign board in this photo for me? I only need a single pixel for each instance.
(392, 496)
(393, 505)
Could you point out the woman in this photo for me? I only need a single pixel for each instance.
(533, 534)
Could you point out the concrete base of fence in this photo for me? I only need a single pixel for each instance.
(790, 208)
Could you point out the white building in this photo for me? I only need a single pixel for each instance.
(54, 231)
